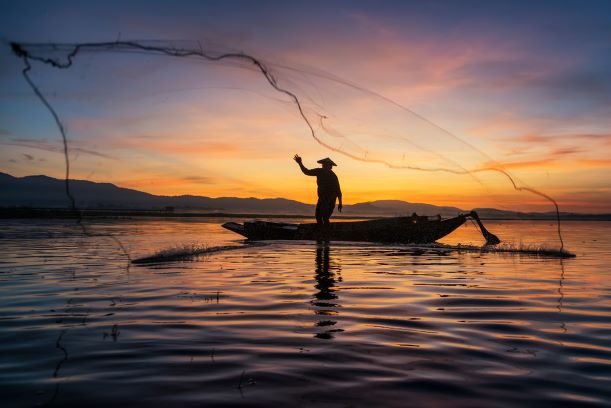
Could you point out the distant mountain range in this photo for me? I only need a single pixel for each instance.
(48, 192)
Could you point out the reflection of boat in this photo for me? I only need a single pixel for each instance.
(413, 229)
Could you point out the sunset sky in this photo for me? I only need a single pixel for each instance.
(527, 84)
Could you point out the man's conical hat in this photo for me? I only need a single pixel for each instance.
(326, 160)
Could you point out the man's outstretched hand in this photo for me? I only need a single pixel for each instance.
(297, 158)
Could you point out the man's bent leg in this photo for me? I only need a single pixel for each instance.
(326, 210)
(319, 213)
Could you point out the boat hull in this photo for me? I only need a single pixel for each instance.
(412, 229)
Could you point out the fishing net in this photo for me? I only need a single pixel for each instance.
(195, 114)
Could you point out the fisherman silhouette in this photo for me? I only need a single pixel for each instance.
(328, 189)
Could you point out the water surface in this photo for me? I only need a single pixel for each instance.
(300, 323)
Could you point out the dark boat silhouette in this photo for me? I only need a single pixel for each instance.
(412, 229)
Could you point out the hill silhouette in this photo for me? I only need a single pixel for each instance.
(47, 192)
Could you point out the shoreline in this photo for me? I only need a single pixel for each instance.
(59, 213)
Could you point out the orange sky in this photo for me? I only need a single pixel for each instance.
(178, 127)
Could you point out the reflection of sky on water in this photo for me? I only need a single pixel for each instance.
(414, 323)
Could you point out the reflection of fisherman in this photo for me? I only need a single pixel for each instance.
(326, 298)
(328, 189)
(325, 277)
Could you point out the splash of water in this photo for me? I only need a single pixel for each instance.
(188, 252)
(521, 249)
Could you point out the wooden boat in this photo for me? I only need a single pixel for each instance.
(412, 229)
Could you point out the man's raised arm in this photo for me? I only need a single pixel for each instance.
(303, 168)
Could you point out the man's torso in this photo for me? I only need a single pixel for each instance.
(328, 184)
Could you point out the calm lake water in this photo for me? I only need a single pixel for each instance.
(301, 324)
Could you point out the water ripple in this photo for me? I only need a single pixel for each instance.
(298, 324)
